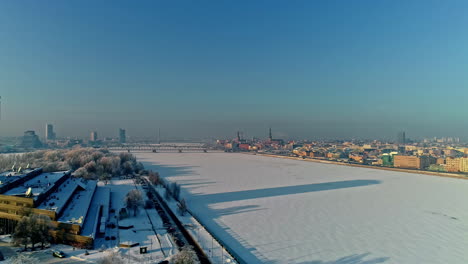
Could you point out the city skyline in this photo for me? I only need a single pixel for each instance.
(318, 69)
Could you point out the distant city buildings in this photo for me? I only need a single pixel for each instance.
(30, 140)
(401, 138)
(122, 136)
(413, 162)
(93, 137)
(50, 134)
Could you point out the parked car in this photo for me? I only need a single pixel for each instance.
(58, 254)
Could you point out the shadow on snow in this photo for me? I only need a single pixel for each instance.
(280, 191)
(353, 259)
(235, 242)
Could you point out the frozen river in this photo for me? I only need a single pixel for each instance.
(272, 210)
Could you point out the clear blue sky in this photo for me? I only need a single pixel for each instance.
(208, 68)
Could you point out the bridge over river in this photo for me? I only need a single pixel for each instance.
(166, 147)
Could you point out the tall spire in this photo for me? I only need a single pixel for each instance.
(270, 135)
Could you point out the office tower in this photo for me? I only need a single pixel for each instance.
(93, 137)
(122, 136)
(50, 134)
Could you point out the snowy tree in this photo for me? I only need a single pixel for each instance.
(21, 234)
(134, 200)
(127, 167)
(81, 173)
(105, 177)
(154, 177)
(112, 258)
(33, 228)
(24, 259)
(185, 256)
(43, 228)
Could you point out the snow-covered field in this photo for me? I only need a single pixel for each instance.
(272, 210)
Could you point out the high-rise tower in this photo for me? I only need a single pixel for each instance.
(122, 136)
(50, 134)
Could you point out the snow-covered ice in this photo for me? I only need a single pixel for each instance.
(273, 210)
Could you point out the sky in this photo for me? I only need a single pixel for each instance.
(308, 69)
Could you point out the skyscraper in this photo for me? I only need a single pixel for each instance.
(50, 134)
(401, 138)
(122, 136)
(93, 137)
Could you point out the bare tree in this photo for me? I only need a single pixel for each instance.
(43, 228)
(105, 177)
(154, 177)
(134, 200)
(112, 258)
(185, 256)
(24, 259)
(21, 234)
(33, 228)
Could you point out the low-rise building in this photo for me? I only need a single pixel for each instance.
(452, 164)
(64, 199)
(463, 164)
(413, 162)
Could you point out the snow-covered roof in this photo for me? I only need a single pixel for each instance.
(78, 207)
(101, 198)
(38, 184)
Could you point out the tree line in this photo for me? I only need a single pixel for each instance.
(32, 229)
(87, 163)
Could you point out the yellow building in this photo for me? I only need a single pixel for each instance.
(54, 194)
(464, 164)
(453, 164)
(410, 162)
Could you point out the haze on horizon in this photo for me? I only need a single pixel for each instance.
(310, 69)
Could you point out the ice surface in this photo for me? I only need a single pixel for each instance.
(272, 210)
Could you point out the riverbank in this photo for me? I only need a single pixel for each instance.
(431, 173)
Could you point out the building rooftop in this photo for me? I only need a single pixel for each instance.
(11, 176)
(77, 208)
(38, 184)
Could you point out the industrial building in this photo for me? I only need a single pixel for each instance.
(72, 204)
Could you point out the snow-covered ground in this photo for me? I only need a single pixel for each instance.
(272, 210)
(213, 250)
(142, 232)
